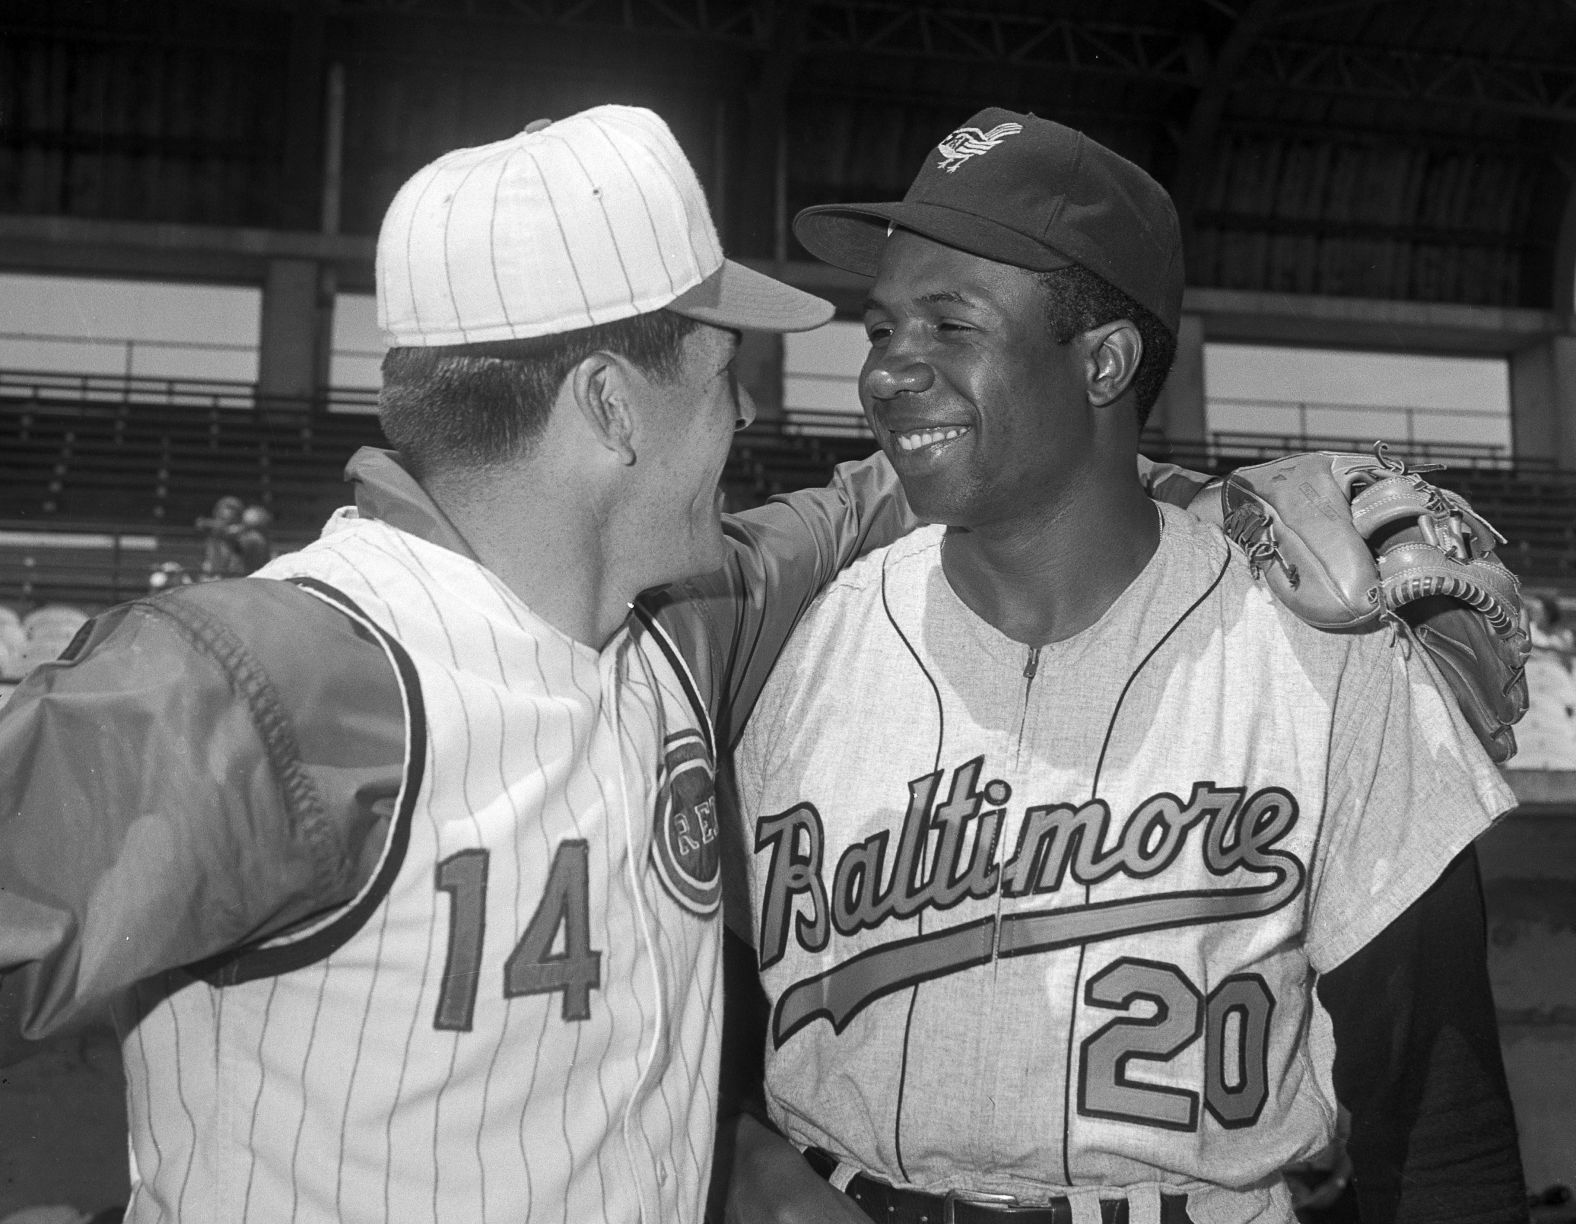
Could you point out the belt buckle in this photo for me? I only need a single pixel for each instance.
(975, 1198)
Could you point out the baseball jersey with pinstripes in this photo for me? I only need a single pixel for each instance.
(407, 900)
(520, 1022)
(1046, 921)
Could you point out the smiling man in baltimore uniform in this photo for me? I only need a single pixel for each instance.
(1085, 880)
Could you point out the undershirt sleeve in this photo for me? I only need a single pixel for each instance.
(1418, 1065)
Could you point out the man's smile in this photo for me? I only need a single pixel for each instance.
(914, 439)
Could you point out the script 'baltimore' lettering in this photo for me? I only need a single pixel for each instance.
(946, 853)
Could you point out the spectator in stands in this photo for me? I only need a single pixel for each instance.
(1547, 735)
(1549, 629)
(49, 631)
(220, 559)
(13, 644)
(167, 574)
(251, 538)
(27, 641)
(237, 542)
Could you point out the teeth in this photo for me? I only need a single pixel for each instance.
(926, 437)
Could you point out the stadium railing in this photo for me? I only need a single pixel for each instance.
(132, 457)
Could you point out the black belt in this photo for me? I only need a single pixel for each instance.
(889, 1204)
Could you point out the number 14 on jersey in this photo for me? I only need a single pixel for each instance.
(532, 967)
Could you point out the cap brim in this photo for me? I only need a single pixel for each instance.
(850, 236)
(738, 297)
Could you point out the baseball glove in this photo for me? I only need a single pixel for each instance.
(1349, 541)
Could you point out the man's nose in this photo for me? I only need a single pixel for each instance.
(744, 407)
(894, 372)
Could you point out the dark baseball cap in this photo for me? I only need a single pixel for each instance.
(1024, 191)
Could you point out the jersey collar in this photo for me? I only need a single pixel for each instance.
(386, 491)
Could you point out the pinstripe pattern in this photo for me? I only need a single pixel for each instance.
(327, 1092)
(656, 239)
(595, 218)
(448, 262)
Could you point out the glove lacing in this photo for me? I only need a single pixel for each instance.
(1255, 533)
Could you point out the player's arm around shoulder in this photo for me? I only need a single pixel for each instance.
(732, 624)
(1175, 485)
(192, 776)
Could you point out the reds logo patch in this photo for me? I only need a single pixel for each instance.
(684, 845)
(970, 142)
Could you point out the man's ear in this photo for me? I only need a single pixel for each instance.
(1114, 349)
(602, 389)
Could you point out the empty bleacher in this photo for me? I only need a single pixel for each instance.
(161, 452)
(1533, 505)
(1535, 510)
(102, 479)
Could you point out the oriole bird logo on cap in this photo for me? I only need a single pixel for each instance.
(968, 142)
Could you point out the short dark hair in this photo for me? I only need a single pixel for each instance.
(1077, 300)
(465, 406)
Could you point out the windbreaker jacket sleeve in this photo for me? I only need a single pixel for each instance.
(200, 770)
(731, 625)
(1167, 482)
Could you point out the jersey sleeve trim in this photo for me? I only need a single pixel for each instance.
(681, 669)
(319, 940)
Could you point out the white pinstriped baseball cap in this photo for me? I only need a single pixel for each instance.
(569, 224)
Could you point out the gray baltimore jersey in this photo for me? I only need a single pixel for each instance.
(1048, 921)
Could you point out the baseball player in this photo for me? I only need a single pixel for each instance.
(1087, 883)
(399, 860)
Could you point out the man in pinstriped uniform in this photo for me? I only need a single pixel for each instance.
(398, 860)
